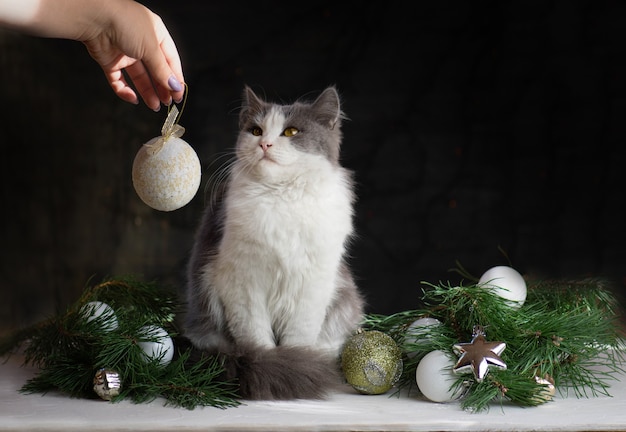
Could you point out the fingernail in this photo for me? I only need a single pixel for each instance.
(174, 84)
(157, 109)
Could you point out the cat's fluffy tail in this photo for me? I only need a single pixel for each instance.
(279, 373)
(283, 373)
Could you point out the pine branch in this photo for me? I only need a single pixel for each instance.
(182, 386)
(567, 330)
(70, 348)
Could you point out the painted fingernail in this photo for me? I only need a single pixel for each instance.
(174, 84)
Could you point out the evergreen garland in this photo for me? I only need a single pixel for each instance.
(69, 349)
(567, 331)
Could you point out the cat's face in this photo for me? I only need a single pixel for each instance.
(278, 141)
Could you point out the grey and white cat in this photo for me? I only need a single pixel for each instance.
(268, 287)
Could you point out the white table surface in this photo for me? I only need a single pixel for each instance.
(343, 411)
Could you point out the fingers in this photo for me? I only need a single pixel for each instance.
(163, 63)
(176, 80)
(152, 93)
(138, 48)
(138, 74)
(122, 89)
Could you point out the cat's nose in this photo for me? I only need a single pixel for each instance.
(265, 145)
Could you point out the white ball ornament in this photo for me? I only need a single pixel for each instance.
(507, 283)
(166, 170)
(161, 347)
(418, 333)
(435, 378)
(100, 311)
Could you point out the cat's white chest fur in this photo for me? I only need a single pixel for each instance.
(280, 254)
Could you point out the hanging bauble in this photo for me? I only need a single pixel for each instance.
(160, 346)
(166, 170)
(507, 283)
(435, 379)
(107, 383)
(371, 362)
(418, 332)
(96, 310)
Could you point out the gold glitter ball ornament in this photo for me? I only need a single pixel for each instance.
(107, 383)
(371, 362)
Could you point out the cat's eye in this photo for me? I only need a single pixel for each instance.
(290, 131)
(256, 131)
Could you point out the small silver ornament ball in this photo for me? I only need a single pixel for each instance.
(107, 383)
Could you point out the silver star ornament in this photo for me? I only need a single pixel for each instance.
(478, 355)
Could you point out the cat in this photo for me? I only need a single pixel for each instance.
(269, 288)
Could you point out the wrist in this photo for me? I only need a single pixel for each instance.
(67, 19)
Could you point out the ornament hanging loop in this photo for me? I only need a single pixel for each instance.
(478, 330)
(170, 127)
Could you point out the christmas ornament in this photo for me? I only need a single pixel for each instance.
(435, 379)
(107, 383)
(371, 362)
(160, 346)
(479, 355)
(507, 283)
(418, 332)
(548, 390)
(96, 310)
(166, 170)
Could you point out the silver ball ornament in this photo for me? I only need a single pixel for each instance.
(107, 383)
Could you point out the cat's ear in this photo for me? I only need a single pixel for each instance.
(327, 108)
(251, 105)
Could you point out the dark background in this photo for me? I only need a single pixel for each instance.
(480, 131)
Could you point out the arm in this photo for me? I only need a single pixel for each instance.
(119, 35)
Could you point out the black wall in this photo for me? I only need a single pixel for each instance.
(480, 131)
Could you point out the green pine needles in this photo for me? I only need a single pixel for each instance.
(566, 332)
(70, 348)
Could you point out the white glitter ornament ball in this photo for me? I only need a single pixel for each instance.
(161, 347)
(435, 378)
(507, 283)
(166, 173)
(100, 311)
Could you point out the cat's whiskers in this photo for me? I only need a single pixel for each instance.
(219, 176)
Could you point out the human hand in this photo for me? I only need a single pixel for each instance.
(135, 44)
(123, 36)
